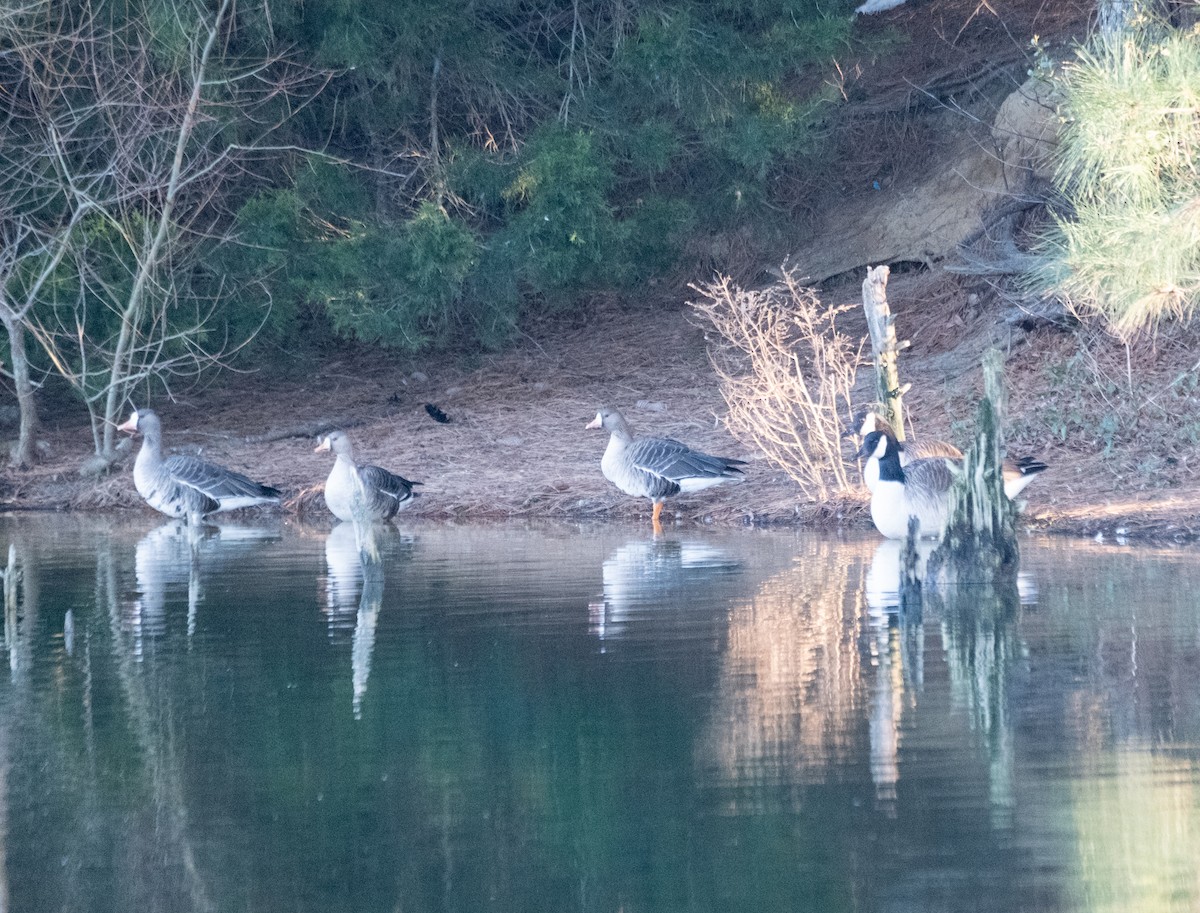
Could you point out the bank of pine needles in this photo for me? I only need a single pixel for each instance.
(786, 374)
(1129, 162)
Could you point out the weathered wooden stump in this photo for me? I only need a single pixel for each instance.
(980, 542)
(886, 350)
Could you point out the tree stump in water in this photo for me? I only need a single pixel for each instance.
(980, 542)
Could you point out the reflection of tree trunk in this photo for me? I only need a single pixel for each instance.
(21, 592)
(19, 617)
(4, 897)
(10, 610)
(978, 630)
(156, 739)
(887, 708)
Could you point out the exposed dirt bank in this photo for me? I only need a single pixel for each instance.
(515, 445)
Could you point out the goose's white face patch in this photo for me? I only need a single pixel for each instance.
(881, 447)
(868, 424)
(130, 424)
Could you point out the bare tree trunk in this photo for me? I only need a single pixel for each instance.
(435, 143)
(16, 317)
(24, 453)
(148, 264)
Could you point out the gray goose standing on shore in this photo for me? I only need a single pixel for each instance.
(186, 487)
(361, 493)
(657, 467)
(1017, 472)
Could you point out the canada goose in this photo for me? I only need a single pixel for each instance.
(363, 493)
(186, 487)
(657, 467)
(921, 489)
(1017, 472)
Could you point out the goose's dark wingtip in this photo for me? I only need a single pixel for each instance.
(1030, 466)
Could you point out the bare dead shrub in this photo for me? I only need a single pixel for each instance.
(786, 374)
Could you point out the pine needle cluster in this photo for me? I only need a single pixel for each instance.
(1129, 162)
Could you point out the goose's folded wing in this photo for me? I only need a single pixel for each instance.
(925, 450)
(383, 486)
(215, 482)
(671, 459)
(928, 480)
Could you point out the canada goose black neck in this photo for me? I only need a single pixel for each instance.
(886, 451)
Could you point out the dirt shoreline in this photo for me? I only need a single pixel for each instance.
(515, 446)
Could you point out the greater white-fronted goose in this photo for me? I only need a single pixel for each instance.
(186, 487)
(362, 494)
(1017, 472)
(921, 489)
(657, 467)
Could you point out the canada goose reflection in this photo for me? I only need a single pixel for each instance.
(897, 645)
(174, 553)
(883, 576)
(975, 625)
(645, 575)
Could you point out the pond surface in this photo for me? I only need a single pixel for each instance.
(586, 719)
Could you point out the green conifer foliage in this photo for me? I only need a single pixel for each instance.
(1130, 153)
(566, 147)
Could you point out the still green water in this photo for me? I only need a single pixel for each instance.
(586, 719)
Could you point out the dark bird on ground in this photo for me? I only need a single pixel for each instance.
(437, 414)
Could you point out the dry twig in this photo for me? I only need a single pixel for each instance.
(786, 374)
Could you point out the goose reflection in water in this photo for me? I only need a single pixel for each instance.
(347, 553)
(645, 575)
(175, 553)
(883, 577)
(976, 628)
(354, 588)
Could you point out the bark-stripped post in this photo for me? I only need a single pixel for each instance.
(981, 538)
(884, 347)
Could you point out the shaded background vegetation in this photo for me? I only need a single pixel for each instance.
(189, 183)
(473, 160)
